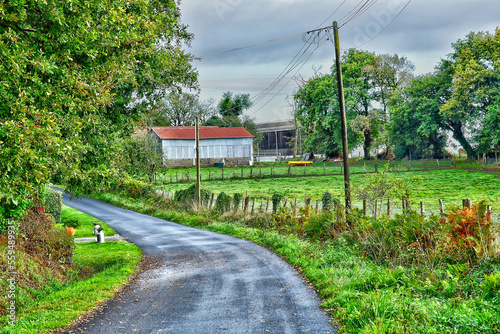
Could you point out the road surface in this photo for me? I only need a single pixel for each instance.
(203, 282)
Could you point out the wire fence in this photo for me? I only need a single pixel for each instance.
(288, 171)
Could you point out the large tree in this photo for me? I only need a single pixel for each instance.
(69, 72)
(178, 109)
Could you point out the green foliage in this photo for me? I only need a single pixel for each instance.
(276, 199)
(144, 155)
(234, 105)
(69, 74)
(378, 187)
(327, 201)
(71, 222)
(53, 200)
(237, 197)
(223, 203)
(190, 195)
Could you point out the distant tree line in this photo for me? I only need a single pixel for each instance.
(388, 107)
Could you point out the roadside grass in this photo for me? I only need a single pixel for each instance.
(86, 228)
(47, 301)
(451, 185)
(362, 296)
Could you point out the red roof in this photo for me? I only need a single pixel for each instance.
(206, 132)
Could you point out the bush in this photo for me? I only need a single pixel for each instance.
(276, 202)
(237, 197)
(190, 196)
(223, 203)
(53, 200)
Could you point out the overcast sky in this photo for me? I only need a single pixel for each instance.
(423, 32)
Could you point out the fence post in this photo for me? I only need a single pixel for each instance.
(288, 171)
(253, 205)
(212, 200)
(261, 205)
(241, 172)
(364, 207)
(251, 172)
(441, 206)
(466, 203)
(234, 173)
(317, 206)
(267, 205)
(305, 198)
(305, 170)
(247, 200)
(284, 203)
(295, 208)
(422, 208)
(209, 175)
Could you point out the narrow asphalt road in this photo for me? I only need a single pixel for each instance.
(203, 282)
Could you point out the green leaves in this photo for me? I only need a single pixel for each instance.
(69, 73)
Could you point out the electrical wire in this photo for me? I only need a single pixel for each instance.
(387, 26)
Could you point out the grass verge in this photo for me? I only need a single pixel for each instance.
(86, 228)
(48, 301)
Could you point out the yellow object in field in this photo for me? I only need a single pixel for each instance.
(299, 163)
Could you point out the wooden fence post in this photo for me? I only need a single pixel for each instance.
(317, 205)
(267, 204)
(295, 208)
(289, 171)
(441, 206)
(241, 172)
(247, 201)
(253, 205)
(234, 173)
(251, 172)
(422, 208)
(364, 207)
(212, 200)
(466, 203)
(284, 203)
(261, 205)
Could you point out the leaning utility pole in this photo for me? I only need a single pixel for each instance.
(347, 180)
(198, 171)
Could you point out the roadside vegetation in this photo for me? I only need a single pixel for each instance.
(58, 280)
(405, 274)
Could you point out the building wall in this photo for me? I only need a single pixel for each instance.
(181, 153)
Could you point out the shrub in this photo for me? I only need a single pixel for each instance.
(223, 203)
(470, 234)
(190, 196)
(276, 199)
(237, 201)
(52, 200)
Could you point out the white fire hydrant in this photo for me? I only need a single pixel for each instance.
(99, 233)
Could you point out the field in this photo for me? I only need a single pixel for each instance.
(450, 185)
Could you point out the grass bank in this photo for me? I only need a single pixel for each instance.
(47, 300)
(362, 295)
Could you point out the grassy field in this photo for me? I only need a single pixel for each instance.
(451, 185)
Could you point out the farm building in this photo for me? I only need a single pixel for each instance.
(279, 140)
(232, 146)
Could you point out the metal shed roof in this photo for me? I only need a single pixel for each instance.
(206, 132)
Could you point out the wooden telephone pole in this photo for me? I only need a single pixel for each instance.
(198, 171)
(345, 149)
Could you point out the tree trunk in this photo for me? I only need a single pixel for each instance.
(367, 144)
(458, 134)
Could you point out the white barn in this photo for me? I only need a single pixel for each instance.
(232, 146)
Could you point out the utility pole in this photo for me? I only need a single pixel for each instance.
(198, 171)
(345, 149)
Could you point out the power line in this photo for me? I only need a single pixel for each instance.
(387, 26)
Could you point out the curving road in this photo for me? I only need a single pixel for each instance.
(203, 282)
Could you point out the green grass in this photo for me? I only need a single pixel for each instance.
(451, 185)
(97, 272)
(364, 297)
(86, 228)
